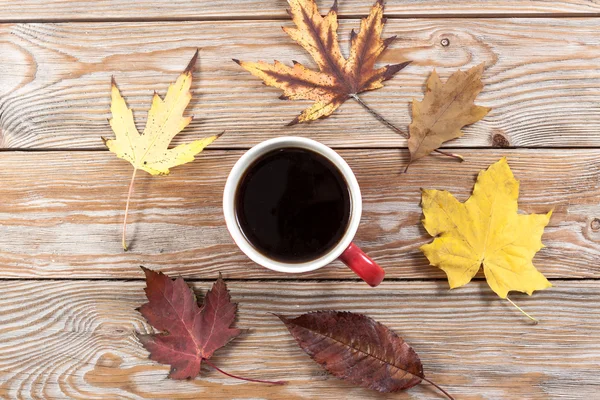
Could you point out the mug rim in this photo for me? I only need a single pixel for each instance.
(237, 172)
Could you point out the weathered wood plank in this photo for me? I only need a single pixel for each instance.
(77, 340)
(542, 80)
(52, 10)
(61, 213)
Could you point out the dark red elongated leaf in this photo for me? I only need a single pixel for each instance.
(190, 333)
(358, 349)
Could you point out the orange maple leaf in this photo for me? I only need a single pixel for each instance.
(339, 78)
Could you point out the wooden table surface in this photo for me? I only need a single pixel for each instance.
(68, 293)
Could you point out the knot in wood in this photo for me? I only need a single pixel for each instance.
(500, 140)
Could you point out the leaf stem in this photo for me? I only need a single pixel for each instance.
(453, 155)
(393, 127)
(379, 117)
(243, 379)
(123, 240)
(437, 387)
(535, 321)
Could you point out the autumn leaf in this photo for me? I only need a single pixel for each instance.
(338, 78)
(444, 111)
(150, 151)
(358, 349)
(486, 230)
(190, 333)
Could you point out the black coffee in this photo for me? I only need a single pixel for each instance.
(293, 205)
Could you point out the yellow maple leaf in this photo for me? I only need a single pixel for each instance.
(487, 231)
(150, 151)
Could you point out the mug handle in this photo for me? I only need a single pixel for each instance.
(367, 269)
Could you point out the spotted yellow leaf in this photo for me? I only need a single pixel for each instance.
(338, 78)
(150, 150)
(486, 230)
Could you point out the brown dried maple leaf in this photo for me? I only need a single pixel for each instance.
(190, 333)
(339, 78)
(445, 109)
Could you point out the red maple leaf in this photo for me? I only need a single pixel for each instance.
(190, 333)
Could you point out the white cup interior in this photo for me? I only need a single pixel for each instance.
(237, 172)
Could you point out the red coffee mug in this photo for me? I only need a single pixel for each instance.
(345, 250)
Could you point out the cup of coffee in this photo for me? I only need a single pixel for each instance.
(293, 205)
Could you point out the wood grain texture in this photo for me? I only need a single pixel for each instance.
(542, 80)
(61, 213)
(77, 340)
(52, 10)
